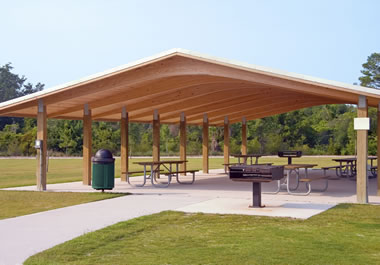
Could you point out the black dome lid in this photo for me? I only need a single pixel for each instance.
(103, 153)
(103, 156)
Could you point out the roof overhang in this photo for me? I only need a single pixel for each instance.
(178, 81)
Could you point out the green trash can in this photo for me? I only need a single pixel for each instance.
(103, 170)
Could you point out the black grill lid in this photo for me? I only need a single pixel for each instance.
(289, 153)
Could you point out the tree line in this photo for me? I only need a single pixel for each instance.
(320, 130)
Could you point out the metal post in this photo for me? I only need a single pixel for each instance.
(256, 195)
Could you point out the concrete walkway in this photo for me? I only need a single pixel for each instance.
(27, 235)
(211, 193)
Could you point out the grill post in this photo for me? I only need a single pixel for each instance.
(289, 155)
(256, 174)
(256, 195)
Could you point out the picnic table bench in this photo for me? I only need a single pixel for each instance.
(298, 179)
(177, 173)
(337, 168)
(129, 173)
(308, 182)
(139, 171)
(153, 172)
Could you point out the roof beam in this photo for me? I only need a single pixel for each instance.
(184, 105)
(257, 114)
(274, 105)
(148, 90)
(203, 100)
(217, 103)
(256, 109)
(21, 115)
(162, 99)
(230, 109)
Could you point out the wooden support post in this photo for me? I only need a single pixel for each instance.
(182, 147)
(87, 145)
(226, 149)
(362, 149)
(156, 136)
(42, 152)
(124, 128)
(205, 144)
(244, 137)
(378, 149)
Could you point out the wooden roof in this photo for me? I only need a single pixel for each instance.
(182, 81)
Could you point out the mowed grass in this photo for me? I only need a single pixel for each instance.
(346, 234)
(22, 172)
(17, 203)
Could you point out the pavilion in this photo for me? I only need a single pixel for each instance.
(187, 88)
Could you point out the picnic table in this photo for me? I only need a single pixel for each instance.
(152, 170)
(347, 166)
(246, 157)
(244, 162)
(298, 179)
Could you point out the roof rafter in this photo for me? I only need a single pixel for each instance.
(261, 113)
(162, 99)
(231, 109)
(146, 91)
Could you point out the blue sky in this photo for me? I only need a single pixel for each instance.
(54, 42)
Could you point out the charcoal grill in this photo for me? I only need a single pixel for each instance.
(290, 155)
(256, 174)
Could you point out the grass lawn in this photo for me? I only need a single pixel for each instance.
(346, 234)
(21, 172)
(16, 203)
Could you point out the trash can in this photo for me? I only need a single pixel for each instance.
(103, 170)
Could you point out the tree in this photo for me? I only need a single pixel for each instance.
(105, 135)
(13, 86)
(371, 72)
(70, 136)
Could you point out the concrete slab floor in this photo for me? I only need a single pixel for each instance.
(211, 193)
(218, 185)
(273, 209)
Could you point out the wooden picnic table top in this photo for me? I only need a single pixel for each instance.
(351, 159)
(297, 166)
(347, 159)
(160, 162)
(248, 155)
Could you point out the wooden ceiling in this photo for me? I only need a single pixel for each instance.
(183, 82)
